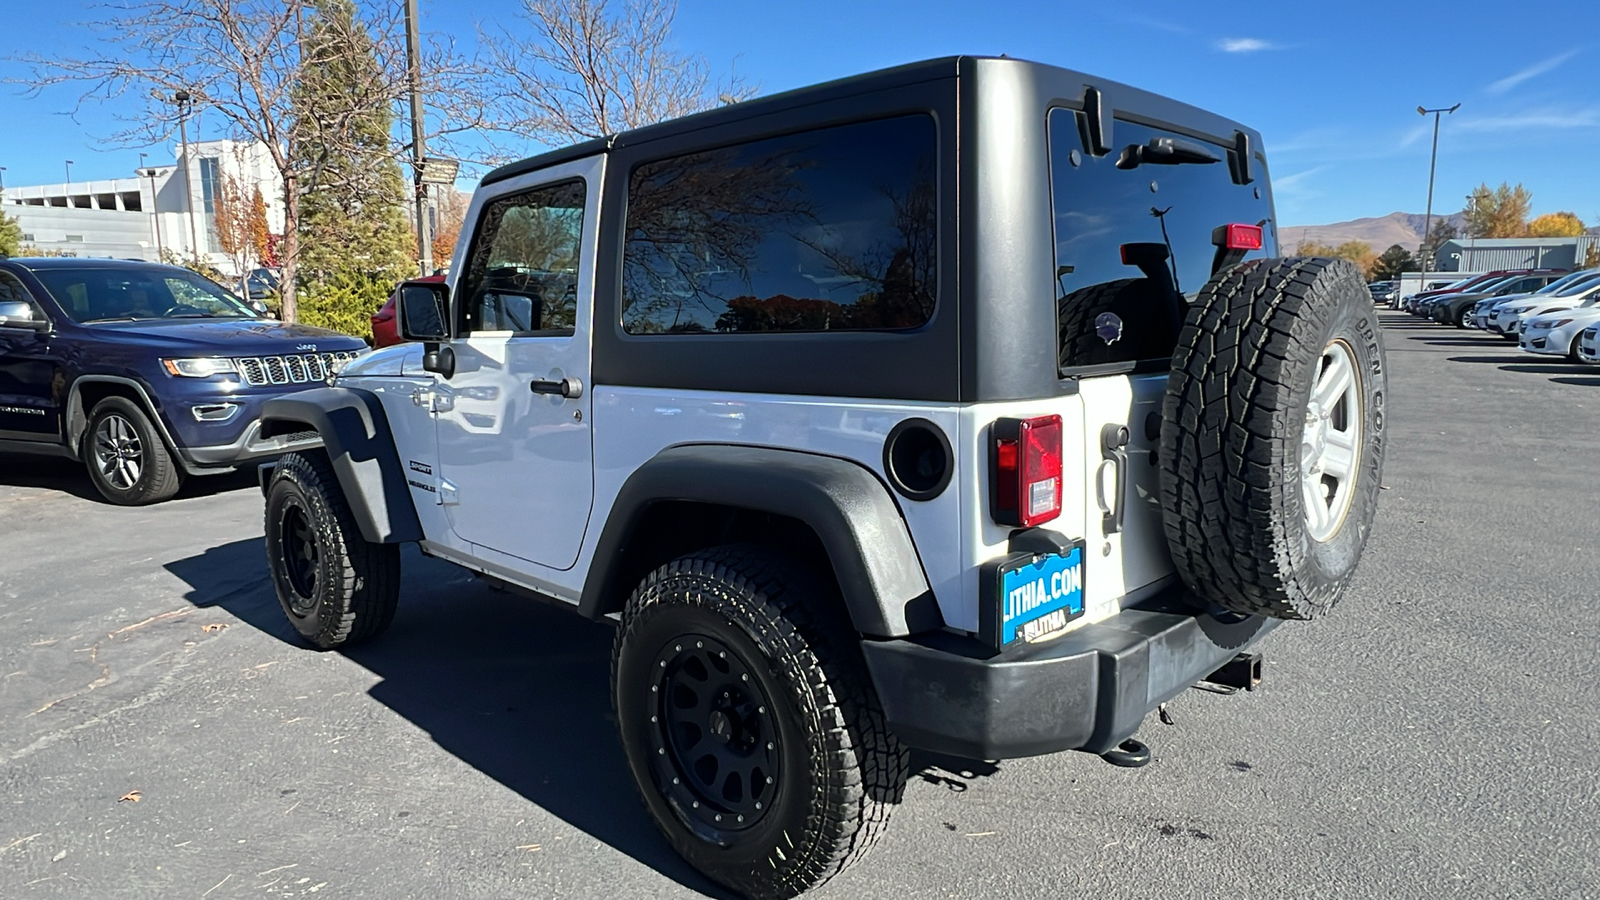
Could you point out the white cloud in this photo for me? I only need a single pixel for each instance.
(1151, 22)
(1538, 68)
(1243, 45)
(1546, 118)
(1292, 185)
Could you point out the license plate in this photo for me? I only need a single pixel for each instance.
(1040, 597)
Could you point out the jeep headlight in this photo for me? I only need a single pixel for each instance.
(202, 367)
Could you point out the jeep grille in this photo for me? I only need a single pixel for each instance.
(259, 371)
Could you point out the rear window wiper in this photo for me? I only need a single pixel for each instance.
(1165, 151)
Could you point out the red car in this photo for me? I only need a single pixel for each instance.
(385, 328)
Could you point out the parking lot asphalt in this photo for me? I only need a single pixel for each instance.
(164, 735)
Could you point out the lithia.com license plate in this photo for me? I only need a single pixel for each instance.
(1040, 597)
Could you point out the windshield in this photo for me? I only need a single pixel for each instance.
(102, 295)
(1579, 285)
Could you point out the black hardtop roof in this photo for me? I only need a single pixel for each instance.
(46, 263)
(882, 79)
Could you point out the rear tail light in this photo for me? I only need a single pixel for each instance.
(1027, 470)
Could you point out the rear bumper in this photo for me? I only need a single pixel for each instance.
(1087, 690)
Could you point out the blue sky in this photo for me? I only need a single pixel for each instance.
(1333, 87)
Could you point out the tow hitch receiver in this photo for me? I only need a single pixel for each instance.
(1243, 671)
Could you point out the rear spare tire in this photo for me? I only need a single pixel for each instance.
(1272, 436)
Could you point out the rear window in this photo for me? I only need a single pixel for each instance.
(1133, 244)
(828, 230)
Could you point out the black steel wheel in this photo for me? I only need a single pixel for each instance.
(715, 736)
(335, 587)
(750, 723)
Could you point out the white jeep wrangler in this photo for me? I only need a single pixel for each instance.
(962, 406)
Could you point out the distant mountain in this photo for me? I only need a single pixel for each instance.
(1381, 233)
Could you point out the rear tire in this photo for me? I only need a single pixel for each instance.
(1272, 437)
(335, 587)
(750, 723)
(127, 460)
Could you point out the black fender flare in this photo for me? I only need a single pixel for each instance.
(355, 433)
(852, 512)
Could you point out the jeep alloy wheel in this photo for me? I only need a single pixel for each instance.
(1330, 447)
(126, 458)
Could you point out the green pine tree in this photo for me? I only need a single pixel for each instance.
(355, 240)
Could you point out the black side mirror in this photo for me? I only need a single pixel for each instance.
(423, 311)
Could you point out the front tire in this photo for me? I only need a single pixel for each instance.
(335, 587)
(1272, 437)
(126, 457)
(750, 723)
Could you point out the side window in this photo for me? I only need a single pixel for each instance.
(13, 291)
(522, 271)
(828, 230)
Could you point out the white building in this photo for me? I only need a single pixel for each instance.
(157, 209)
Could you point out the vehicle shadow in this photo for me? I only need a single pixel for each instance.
(49, 472)
(68, 476)
(515, 688)
(1495, 360)
(1542, 369)
(1581, 382)
(1453, 341)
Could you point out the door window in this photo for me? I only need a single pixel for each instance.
(522, 272)
(12, 291)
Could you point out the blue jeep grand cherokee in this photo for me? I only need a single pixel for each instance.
(145, 372)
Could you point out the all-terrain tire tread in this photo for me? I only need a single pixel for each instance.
(367, 583)
(776, 600)
(1228, 468)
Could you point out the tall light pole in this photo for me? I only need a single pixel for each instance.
(155, 210)
(69, 171)
(182, 99)
(418, 149)
(1433, 162)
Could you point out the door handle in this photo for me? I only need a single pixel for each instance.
(571, 388)
(1114, 449)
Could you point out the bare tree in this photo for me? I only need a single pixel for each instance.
(590, 70)
(241, 60)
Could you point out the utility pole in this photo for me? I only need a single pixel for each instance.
(1433, 162)
(182, 99)
(418, 149)
(155, 209)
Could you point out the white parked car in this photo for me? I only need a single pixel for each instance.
(1589, 345)
(1575, 281)
(1558, 333)
(1507, 317)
